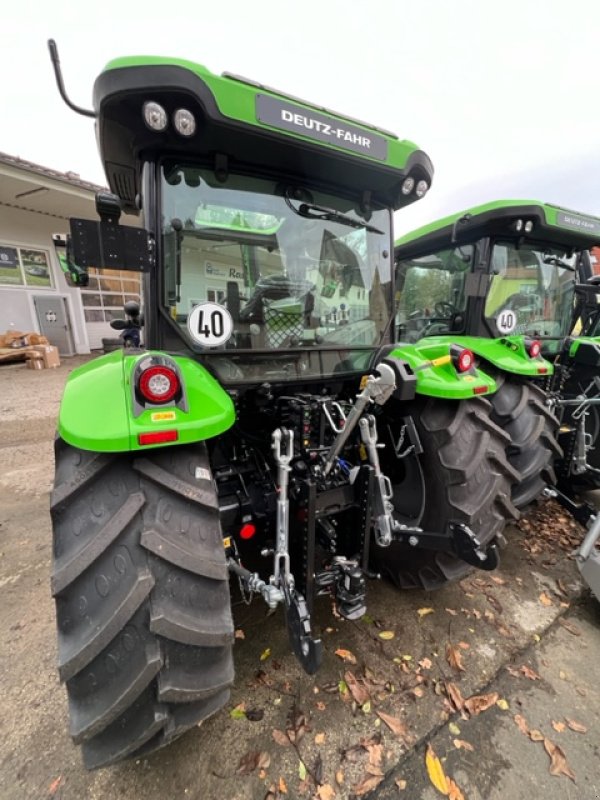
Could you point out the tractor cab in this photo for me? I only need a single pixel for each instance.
(502, 269)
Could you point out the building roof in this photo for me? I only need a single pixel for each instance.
(71, 178)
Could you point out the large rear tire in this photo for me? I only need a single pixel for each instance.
(141, 586)
(465, 478)
(520, 409)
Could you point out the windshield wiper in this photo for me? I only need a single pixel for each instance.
(555, 261)
(314, 211)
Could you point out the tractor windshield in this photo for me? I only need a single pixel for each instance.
(430, 296)
(289, 267)
(531, 290)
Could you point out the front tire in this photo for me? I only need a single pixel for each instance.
(465, 477)
(141, 587)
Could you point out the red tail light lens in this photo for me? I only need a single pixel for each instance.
(247, 531)
(158, 437)
(158, 384)
(465, 361)
(535, 348)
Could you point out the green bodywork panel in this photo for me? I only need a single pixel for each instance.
(554, 221)
(97, 409)
(236, 100)
(508, 353)
(575, 345)
(442, 381)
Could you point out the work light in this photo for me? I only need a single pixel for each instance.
(408, 185)
(155, 116)
(184, 122)
(422, 187)
(528, 226)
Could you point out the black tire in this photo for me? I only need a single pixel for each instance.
(519, 408)
(465, 477)
(143, 610)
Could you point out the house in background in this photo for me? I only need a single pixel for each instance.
(36, 202)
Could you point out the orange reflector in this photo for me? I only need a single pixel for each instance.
(158, 437)
(247, 531)
(480, 389)
(542, 370)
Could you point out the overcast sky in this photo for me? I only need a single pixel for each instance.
(503, 96)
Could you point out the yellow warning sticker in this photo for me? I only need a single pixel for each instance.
(227, 542)
(363, 381)
(468, 378)
(162, 416)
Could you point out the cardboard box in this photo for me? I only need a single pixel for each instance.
(49, 354)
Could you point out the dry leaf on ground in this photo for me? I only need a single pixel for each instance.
(435, 771)
(325, 792)
(569, 626)
(425, 663)
(536, 736)
(480, 702)
(521, 724)
(394, 724)
(454, 793)
(386, 635)
(239, 634)
(367, 784)
(559, 727)
(339, 777)
(558, 760)
(545, 600)
(422, 612)
(530, 673)
(357, 688)
(282, 786)
(319, 738)
(454, 694)
(54, 785)
(576, 726)
(346, 655)
(454, 657)
(460, 744)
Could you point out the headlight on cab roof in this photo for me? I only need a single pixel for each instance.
(155, 116)
(184, 122)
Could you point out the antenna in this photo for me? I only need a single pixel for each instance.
(59, 81)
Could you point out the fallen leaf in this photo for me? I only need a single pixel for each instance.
(401, 784)
(320, 705)
(563, 675)
(559, 727)
(455, 696)
(265, 654)
(435, 771)
(248, 763)
(264, 759)
(502, 704)
(425, 663)
(280, 738)
(386, 635)
(418, 691)
(375, 752)
(319, 738)
(451, 611)
(282, 786)
(366, 707)
(536, 736)
(454, 658)
(367, 784)
(325, 792)
(422, 612)
(239, 712)
(576, 726)
(460, 744)
(301, 770)
(339, 777)
(464, 645)
(545, 600)
(480, 702)
(558, 760)
(497, 580)
(521, 724)
(54, 785)
(569, 626)
(530, 673)
(396, 726)
(454, 729)
(239, 634)
(346, 655)
(454, 793)
(357, 688)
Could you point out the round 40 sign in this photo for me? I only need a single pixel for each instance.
(210, 324)
(506, 321)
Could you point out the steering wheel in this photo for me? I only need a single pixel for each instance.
(444, 309)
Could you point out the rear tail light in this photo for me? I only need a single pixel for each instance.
(158, 437)
(463, 359)
(247, 530)
(158, 384)
(534, 347)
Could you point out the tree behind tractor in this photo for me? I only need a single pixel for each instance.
(501, 280)
(245, 442)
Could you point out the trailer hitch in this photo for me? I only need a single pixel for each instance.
(457, 540)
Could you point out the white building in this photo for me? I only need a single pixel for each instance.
(36, 202)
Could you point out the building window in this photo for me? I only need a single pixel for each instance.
(107, 293)
(24, 266)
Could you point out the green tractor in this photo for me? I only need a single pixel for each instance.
(508, 279)
(245, 443)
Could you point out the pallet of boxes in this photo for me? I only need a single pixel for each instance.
(33, 348)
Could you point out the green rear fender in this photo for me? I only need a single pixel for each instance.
(436, 374)
(508, 354)
(98, 409)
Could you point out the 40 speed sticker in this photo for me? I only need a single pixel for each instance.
(506, 321)
(210, 324)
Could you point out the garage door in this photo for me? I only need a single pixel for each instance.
(103, 301)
